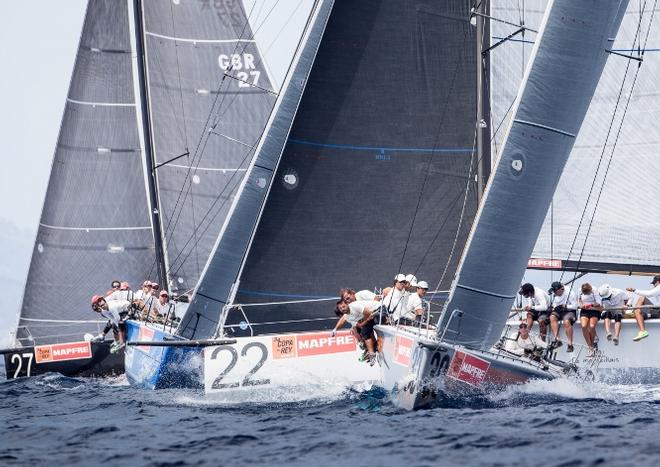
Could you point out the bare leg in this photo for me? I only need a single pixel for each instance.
(568, 328)
(592, 329)
(584, 322)
(554, 326)
(530, 320)
(543, 329)
(370, 344)
(607, 326)
(617, 329)
(640, 319)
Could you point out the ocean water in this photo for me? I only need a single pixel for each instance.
(56, 420)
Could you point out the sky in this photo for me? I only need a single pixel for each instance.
(39, 42)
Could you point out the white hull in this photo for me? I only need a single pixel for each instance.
(286, 367)
(628, 359)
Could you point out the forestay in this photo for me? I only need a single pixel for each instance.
(209, 96)
(377, 174)
(566, 63)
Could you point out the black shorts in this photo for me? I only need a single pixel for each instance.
(540, 316)
(564, 314)
(590, 313)
(615, 315)
(367, 329)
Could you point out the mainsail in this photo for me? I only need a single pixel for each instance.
(581, 230)
(95, 224)
(376, 175)
(567, 61)
(209, 99)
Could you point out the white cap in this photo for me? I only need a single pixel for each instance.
(411, 279)
(422, 285)
(400, 278)
(605, 291)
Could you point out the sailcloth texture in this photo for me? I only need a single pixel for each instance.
(95, 224)
(567, 61)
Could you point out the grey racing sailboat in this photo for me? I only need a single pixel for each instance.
(567, 61)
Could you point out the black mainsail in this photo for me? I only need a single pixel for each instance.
(95, 225)
(376, 175)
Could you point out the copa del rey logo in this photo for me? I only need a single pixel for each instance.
(468, 368)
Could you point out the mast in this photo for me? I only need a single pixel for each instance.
(483, 96)
(148, 147)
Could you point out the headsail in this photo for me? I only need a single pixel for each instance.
(566, 63)
(377, 174)
(95, 224)
(209, 96)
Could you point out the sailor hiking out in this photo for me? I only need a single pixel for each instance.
(564, 309)
(646, 297)
(537, 307)
(115, 311)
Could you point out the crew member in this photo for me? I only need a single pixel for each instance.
(123, 293)
(115, 311)
(414, 308)
(646, 297)
(537, 308)
(361, 316)
(526, 344)
(395, 297)
(564, 307)
(115, 285)
(163, 308)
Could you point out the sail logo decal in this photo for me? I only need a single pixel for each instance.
(542, 263)
(147, 335)
(403, 350)
(61, 352)
(468, 368)
(517, 166)
(305, 345)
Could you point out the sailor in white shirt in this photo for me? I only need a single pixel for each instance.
(350, 295)
(163, 308)
(564, 308)
(414, 306)
(646, 297)
(144, 292)
(526, 344)
(537, 309)
(123, 293)
(394, 300)
(114, 311)
(360, 315)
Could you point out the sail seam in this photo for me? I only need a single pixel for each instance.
(374, 148)
(103, 104)
(212, 169)
(55, 227)
(485, 292)
(544, 127)
(196, 41)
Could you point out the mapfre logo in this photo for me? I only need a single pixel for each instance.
(403, 350)
(468, 368)
(61, 352)
(324, 343)
(541, 263)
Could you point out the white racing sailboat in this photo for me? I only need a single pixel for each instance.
(602, 216)
(567, 60)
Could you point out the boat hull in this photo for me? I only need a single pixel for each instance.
(79, 358)
(419, 371)
(629, 361)
(160, 367)
(266, 364)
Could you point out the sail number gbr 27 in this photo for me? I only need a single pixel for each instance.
(243, 66)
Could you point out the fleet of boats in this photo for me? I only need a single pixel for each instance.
(372, 158)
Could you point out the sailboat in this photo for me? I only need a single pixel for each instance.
(367, 151)
(163, 110)
(611, 169)
(566, 63)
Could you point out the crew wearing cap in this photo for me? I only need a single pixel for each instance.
(144, 292)
(163, 308)
(613, 301)
(123, 293)
(411, 280)
(525, 343)
(394, 300)
(564, 308)
(646, 297)
(537, 308)
(414, 305)
(114, 311)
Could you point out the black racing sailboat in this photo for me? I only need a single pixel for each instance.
(166, 103)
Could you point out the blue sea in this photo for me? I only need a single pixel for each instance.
(56, 420)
